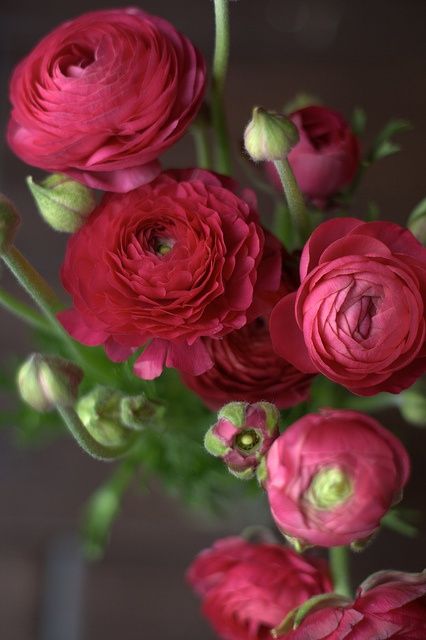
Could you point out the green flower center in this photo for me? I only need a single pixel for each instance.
(329, 488)
(247, 439)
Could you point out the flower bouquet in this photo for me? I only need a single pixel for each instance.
(291, 321)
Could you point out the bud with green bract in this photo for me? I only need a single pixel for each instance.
(63, 203)
(242, 435)
(48, 382)
(269, 135)
(412, 404)
(112, 418)
(9, 223)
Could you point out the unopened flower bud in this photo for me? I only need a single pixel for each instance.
(269, 135)
(417, 222)
(111, 418)
(47, 382)
(9, 223)
(63, 203)
(413, 404)
(242, 435)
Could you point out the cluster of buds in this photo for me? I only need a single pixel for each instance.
(112, 418)
(242, 435)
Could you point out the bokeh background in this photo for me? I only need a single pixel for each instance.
(369, 54)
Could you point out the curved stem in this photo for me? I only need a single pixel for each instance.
(23, 312)
(340, 570)
(86, 441)
(295, 200)
(43, 295)
(220, 67)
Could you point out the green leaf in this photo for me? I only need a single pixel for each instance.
(383, 145)
(358, 121)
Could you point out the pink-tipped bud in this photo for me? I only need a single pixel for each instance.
(242, 435)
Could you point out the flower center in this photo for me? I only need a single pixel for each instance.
(247, 440)
(329, 488)
(162, 246)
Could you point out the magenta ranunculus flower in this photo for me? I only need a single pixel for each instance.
(166, 265)
(326, 157)
(359, 315)
(102, 96)
(389, 604)
(247, 368)
(247, 589)
(332, 476)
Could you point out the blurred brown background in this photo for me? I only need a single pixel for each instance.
(369, 54)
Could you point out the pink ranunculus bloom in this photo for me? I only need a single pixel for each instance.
(359, 315)
(247, 368)
(326, 157)
(247, 589)
(332, 476)
(102, 96)
(166, 265)
(389, 604)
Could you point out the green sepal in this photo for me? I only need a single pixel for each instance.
(295, 618)
(247, 474)
(272, 415)
(214, 445)
(234, 412)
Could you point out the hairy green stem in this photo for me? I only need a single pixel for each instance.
(220, 67)
(24, 312)
(295, 200)
(49, 304)
(340, 571)
(86, 441)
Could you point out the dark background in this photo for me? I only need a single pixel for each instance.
(370, 54)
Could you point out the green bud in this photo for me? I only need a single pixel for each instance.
(9, 223)
(111, 418)
(136, 412)
(413, 404)
(417, 222)
(269, 135)
(46, 382)
(63, 203)
(329, 488)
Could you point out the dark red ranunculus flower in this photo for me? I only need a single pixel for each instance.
(389, 605)
(326, 157)
(167, 265)
(247, 589)
(247, 368)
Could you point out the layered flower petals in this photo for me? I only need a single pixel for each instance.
(82, 106)
(168, 264)
(247, 588)
(332, 476)
(360, 309)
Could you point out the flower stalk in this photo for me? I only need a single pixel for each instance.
(295, 200)
(220, 67)
(340, 570)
